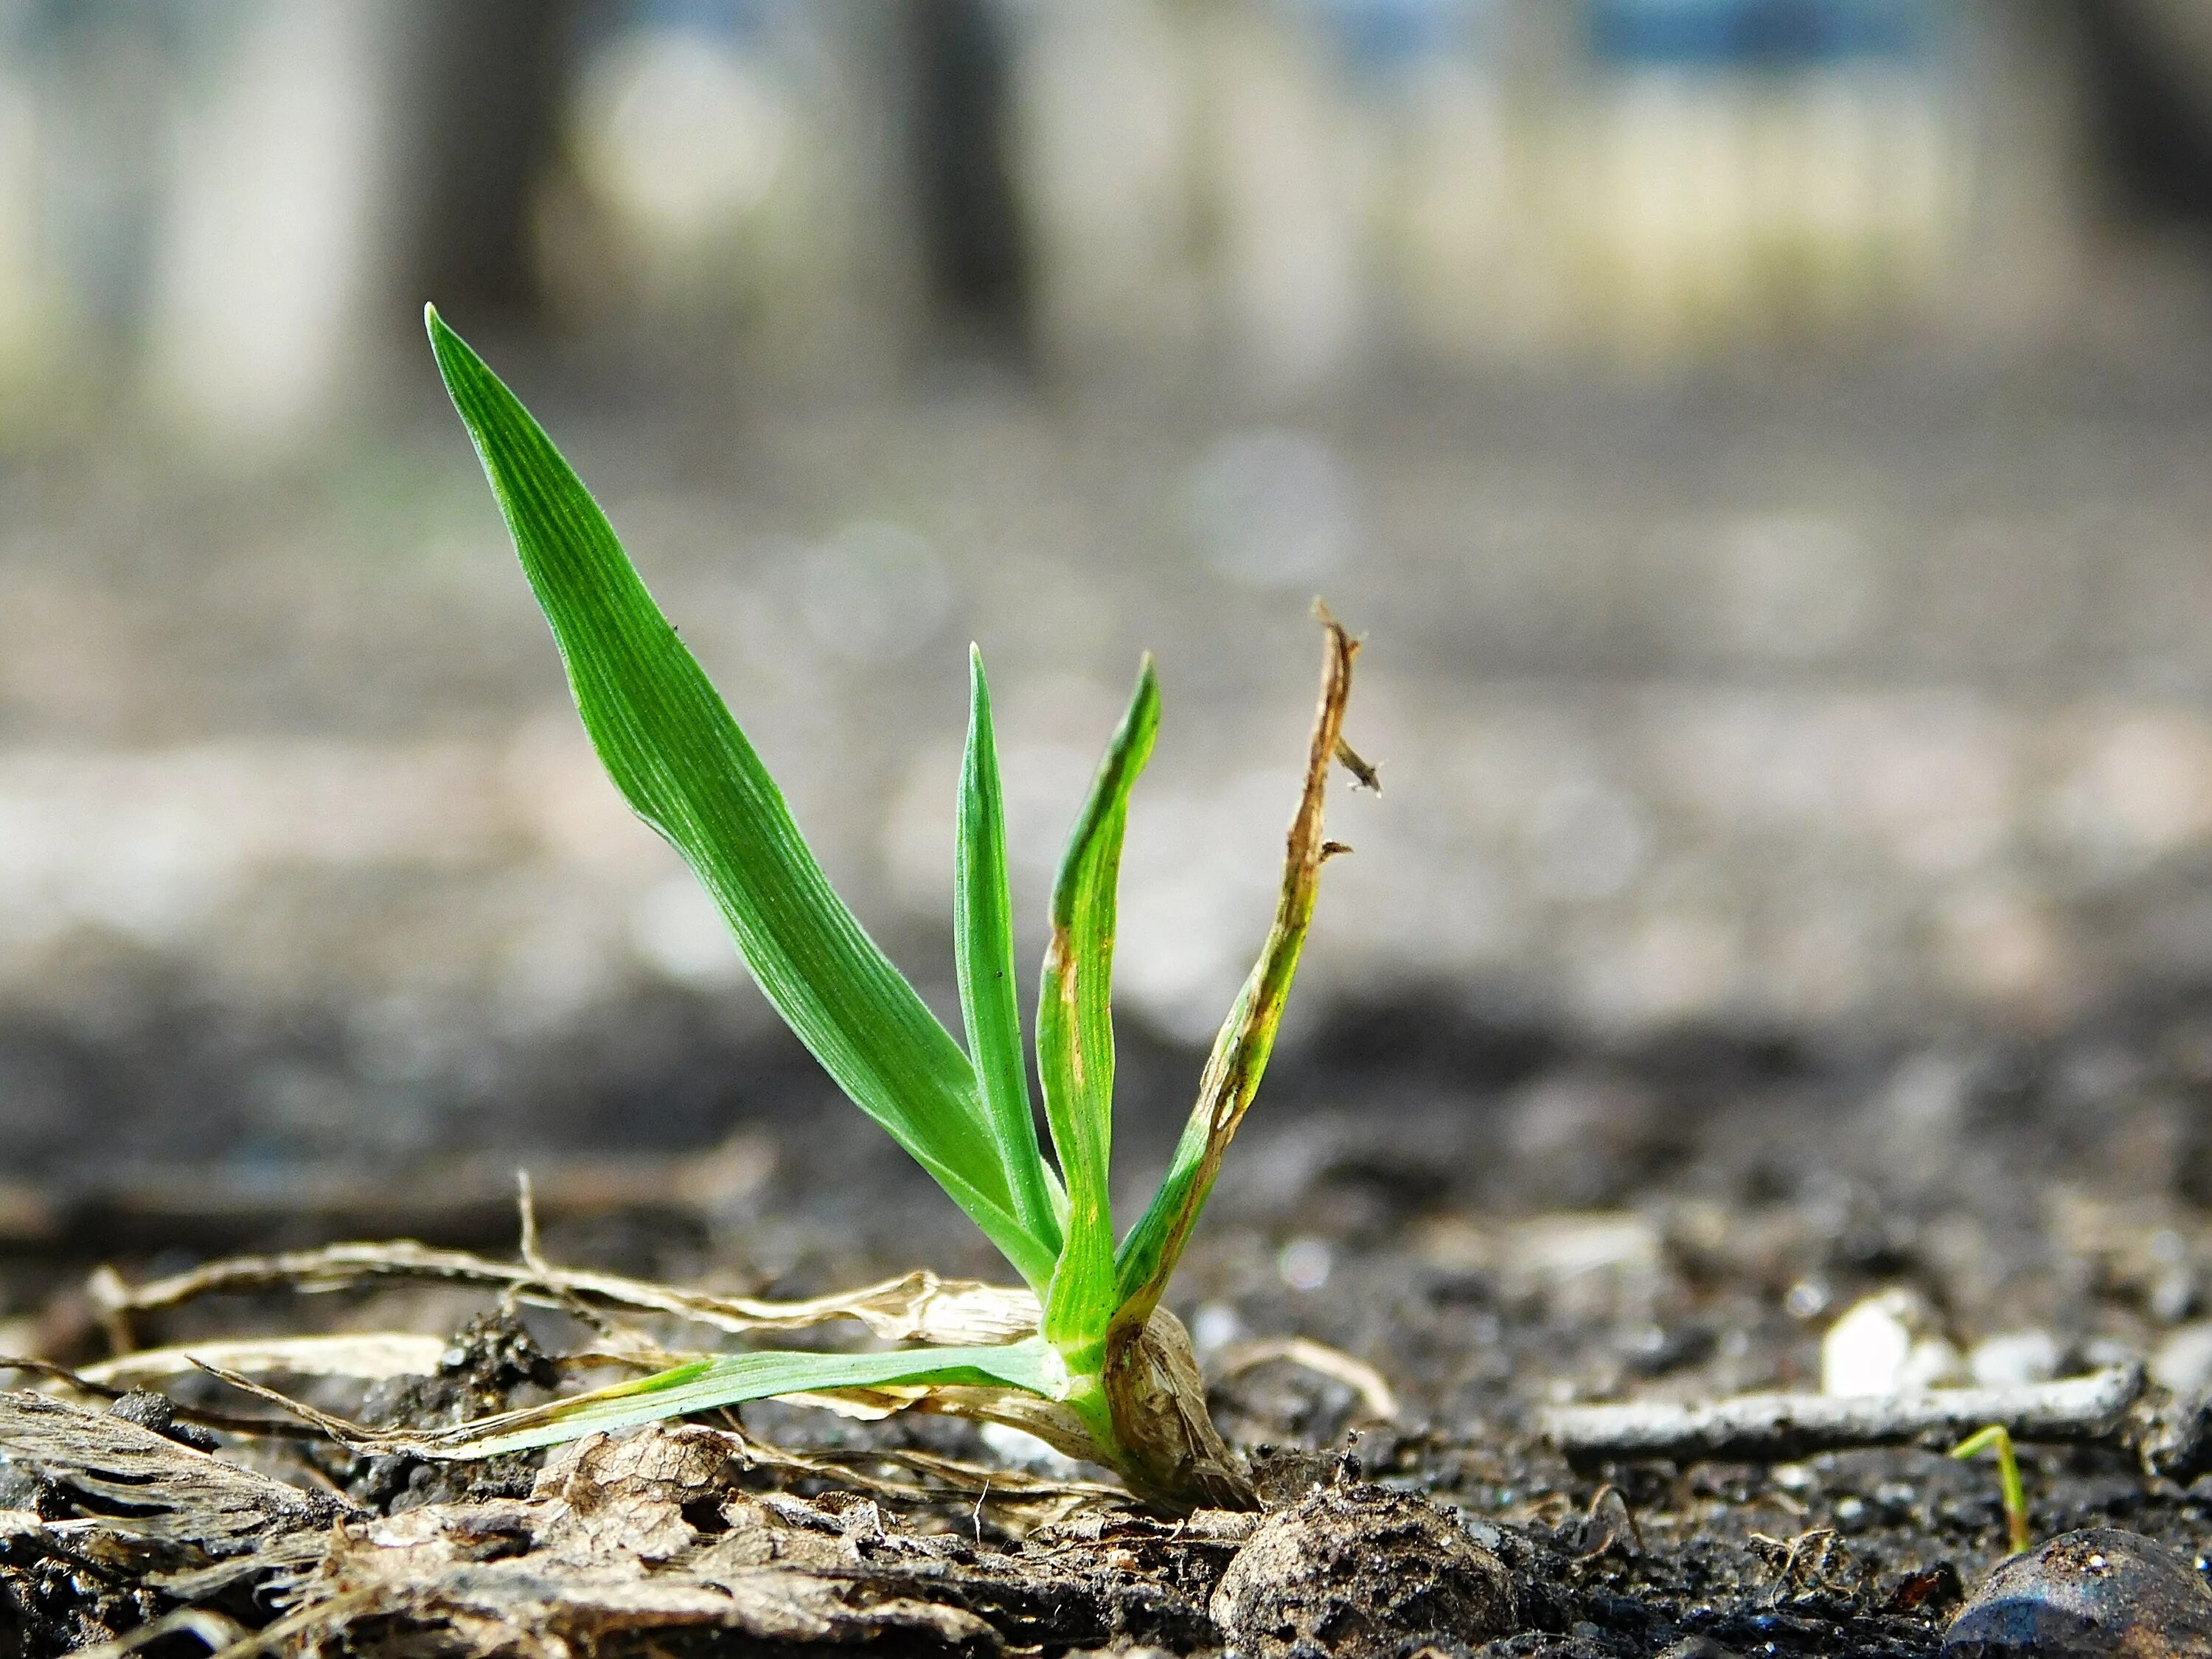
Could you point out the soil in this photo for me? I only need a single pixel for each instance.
(1495, 1216)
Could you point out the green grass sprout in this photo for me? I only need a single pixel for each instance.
(1997, 1439)
(1096, 1366)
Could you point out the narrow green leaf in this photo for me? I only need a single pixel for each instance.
(1148, 1255)
(1075, 1032)
(671, 748)
(983, 944)
(735, 1379)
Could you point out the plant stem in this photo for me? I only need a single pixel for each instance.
(1996, 1438)
(1168, 1450)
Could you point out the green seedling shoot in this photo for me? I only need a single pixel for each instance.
(1996, 1438)
(1085, 1356)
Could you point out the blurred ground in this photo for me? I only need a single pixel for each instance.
(1857, 709)
(1759, 438)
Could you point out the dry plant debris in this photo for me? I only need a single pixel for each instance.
(620, 1544)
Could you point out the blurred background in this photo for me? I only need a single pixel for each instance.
(1763, 441)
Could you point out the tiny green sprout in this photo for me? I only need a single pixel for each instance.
(1085, 1355)
(1996, 1438)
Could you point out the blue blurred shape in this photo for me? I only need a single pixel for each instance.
(723, 18)
(1390, 34)
(1760, 34)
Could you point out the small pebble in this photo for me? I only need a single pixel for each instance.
(1887, 1343)
(2101, 1353)
(1024, 1451)
(2177, 1437)
(1216, 1326)
(1305, 1263)
(2184, 1361)
(153, 1411)
(2172, 1295)
(2083, 1595)
(21, 1490)
(2009, 1358)
(1806, 1299)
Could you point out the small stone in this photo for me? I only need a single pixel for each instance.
(1934, 1362)
(2172, 1295)
(1888, 1343)
(1026, 1451)
(2009, 1358)
(153, 1411)
(2177, 1437)
(2084, 1595)
(2183, 1363)
(22, 1492)
(2102, 1353)
(1361, 1573)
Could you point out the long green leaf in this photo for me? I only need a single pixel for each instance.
(983, 945)
(671, 747)
(735, 1379)
(1148, 1255)
(1075, 1032)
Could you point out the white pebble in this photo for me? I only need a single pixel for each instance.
(1305, 1263)
(1026, 1451)
(1213, 1328)
(2010, 1358)
(1887, 1344)
(2184, 1361)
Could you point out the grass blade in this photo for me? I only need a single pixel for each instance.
(671, 748)
(1075, 1031)
(735, 1379)
(983, 945)
(1149, 1254)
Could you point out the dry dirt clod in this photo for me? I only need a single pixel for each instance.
(2084, 1595)
(1361, 1573)
(152, 1411)
(492, 1363)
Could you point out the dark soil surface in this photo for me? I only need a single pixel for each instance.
(1495, 1216)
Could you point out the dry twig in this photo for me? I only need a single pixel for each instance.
(1775, 1427)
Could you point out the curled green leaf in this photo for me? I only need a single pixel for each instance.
(983, 945)
(1075, 1029)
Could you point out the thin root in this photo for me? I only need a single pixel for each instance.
(94, 1387)
(915, 1307)
(218, 1633)
(1016, 1493)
